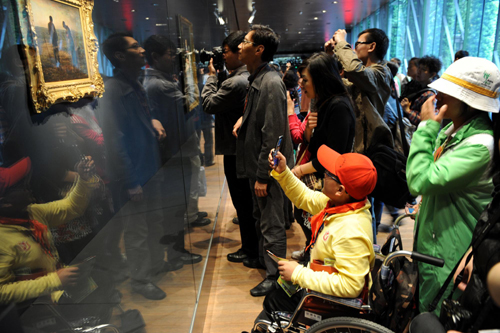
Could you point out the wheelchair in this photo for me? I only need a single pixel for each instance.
(318, 312)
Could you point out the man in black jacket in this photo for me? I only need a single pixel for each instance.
(264, 120)
(227, 104)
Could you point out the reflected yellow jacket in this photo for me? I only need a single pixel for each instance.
(21, 255)
(346, 238)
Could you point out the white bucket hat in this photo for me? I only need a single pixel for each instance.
(474, 81)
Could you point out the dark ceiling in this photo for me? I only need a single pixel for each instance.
(304, 26)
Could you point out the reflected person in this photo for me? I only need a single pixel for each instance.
(180, 150)
(130, 137)
(168, 103)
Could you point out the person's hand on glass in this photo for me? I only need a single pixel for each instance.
(135, 194)
(86, 168)
(68, 276)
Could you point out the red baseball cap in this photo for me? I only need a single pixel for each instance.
(355, 171)
(13, 174)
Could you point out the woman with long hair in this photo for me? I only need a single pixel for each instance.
(331, 124)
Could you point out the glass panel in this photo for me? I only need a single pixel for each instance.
(133, 221)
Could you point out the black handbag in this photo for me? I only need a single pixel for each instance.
(391, 188)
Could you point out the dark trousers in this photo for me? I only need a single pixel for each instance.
(305, 225)
(268, 212)
(241, 196)
(278, 300)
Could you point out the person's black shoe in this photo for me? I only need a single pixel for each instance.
(149, 291)
(384, 228)
(188, 258)
(253, 263)
(236, 220)
(237, 256)
(264, 288)
(171, 266)
(200, 222)
(202, 214)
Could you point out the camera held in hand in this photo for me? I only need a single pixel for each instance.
(454, 316)
(216, 55)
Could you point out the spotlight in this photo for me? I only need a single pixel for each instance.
(252, 16)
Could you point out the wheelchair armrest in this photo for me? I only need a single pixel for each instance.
(356, 303)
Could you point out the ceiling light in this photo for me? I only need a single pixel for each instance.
(221, 20)
(300, 13)
(300, 32)
(252, 16)
(133, 10)
(324, 11)
(315, 18)
(147, 18)
(335, 2)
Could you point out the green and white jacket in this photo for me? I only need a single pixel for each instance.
(455, 189)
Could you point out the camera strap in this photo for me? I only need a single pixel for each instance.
(474, 244)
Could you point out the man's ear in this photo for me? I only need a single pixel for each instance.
(259, 50)
(372, 48)
(120, 55)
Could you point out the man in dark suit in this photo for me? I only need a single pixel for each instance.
(264, 120)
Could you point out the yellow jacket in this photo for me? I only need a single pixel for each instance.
(346, 238)
(21, 255)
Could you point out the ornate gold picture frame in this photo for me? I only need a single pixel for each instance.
(59, 51)
(188, 63)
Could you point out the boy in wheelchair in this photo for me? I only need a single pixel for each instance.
(341, 249)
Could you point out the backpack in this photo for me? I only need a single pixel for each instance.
(395, 305)
(391, 188)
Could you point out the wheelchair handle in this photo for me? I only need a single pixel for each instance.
(427, 259)
(384, 270)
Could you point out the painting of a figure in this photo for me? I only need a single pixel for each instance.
(60, 40)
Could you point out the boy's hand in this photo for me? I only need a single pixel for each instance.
(281, 161)
(286, 269)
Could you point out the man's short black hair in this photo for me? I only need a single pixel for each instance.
(396, 61)
(413, 60)
(461, 54)
(115, 43)
(263, 35)
(158, 44)
(379, 37)
(233, 40)
(431, 62)
(303, 66)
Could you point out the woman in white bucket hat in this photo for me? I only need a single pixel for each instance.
(451, 172)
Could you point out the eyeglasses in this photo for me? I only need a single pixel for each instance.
(134, 46)
(249, 42)
(358, 42)
(332, 176)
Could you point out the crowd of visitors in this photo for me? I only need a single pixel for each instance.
(121, 157)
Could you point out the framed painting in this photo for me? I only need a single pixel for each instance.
(59, 51)
(188, 63)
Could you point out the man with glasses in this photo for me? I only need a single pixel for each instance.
(227, 104)
(264, 120)
(342, 244)
(369, 81)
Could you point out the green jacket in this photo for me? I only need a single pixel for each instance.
(455, 190)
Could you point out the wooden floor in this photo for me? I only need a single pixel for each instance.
(227, 305)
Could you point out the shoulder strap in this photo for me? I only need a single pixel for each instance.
(404, 143)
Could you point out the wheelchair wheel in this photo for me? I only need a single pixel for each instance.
(347, 325)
